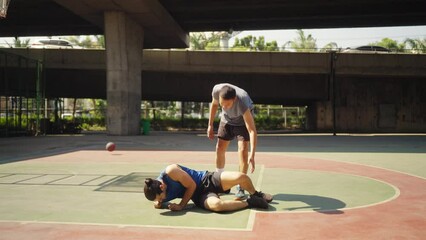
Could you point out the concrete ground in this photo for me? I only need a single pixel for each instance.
(324, 187)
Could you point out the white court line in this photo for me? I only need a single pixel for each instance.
(122, 225)
(253, 212)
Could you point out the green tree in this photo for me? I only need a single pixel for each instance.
(254, 44)
(88, 41)
(302, 43)
(416, 45)
(245, 43)
(100, 41)
(390, 44)
(204, 40)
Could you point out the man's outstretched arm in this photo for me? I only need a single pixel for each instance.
(251, 128)
(213, 110)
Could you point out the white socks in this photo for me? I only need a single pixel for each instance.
(220, 170)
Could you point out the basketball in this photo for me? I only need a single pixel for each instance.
(110, 146)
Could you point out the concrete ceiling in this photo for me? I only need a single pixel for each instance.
(167, 22)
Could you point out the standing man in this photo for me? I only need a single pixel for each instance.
(236, 122)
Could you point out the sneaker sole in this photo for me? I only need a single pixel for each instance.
(240, 198)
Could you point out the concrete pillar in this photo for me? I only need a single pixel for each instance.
(124, 45)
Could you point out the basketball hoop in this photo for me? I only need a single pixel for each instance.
(3, 8)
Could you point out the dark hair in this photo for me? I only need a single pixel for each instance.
(152, 188)
(227, 93)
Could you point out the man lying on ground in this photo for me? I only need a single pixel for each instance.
(203, 188)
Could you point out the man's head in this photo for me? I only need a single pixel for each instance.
(227, 96)
(154, 189)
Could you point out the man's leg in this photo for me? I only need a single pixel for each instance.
(230, 179)
(221, 147)
(243, 147)
(215, 204)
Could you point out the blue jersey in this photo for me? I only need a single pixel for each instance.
(176, 189)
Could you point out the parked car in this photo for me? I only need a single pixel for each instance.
(366, 49)
(53, 43)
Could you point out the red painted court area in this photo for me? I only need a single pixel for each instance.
(400, 218)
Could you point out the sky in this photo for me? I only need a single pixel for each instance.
(344, 37)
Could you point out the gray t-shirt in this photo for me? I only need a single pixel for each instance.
(234, 115)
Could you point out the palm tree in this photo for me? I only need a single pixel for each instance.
(417, 45)
(329, 47)
(96, 41)
(302, 43)
(18, 43)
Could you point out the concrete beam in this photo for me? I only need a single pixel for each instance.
(377, 64)
(161, 30)
(401, 65)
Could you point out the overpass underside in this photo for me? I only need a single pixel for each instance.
(343, 92)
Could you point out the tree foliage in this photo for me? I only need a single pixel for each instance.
(416, 45)
(251, 43)
(390, 44)
(204, 40)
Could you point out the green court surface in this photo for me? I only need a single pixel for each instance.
(112, 193)
(408, 163)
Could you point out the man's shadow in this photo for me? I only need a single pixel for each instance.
(189, 208)
(320, 204)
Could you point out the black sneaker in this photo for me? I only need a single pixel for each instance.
(268, 197)
(257, 202)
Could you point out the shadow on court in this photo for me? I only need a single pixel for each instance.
(320, 204)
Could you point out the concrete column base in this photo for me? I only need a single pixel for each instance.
(124, 48)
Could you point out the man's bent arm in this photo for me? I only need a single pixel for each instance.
(177, 174)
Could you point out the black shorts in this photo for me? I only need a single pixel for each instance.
(209, 184)
(228, 132)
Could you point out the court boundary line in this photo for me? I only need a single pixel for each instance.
(354, 163)
(395, 196)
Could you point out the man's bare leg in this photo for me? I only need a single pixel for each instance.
(243, 147)
(230, 179)
(215, 204)
(221, 147)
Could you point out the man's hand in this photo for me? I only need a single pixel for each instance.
(158, 204)
(210, 132)
(213, 109)
(175, 207)
(252, 163)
